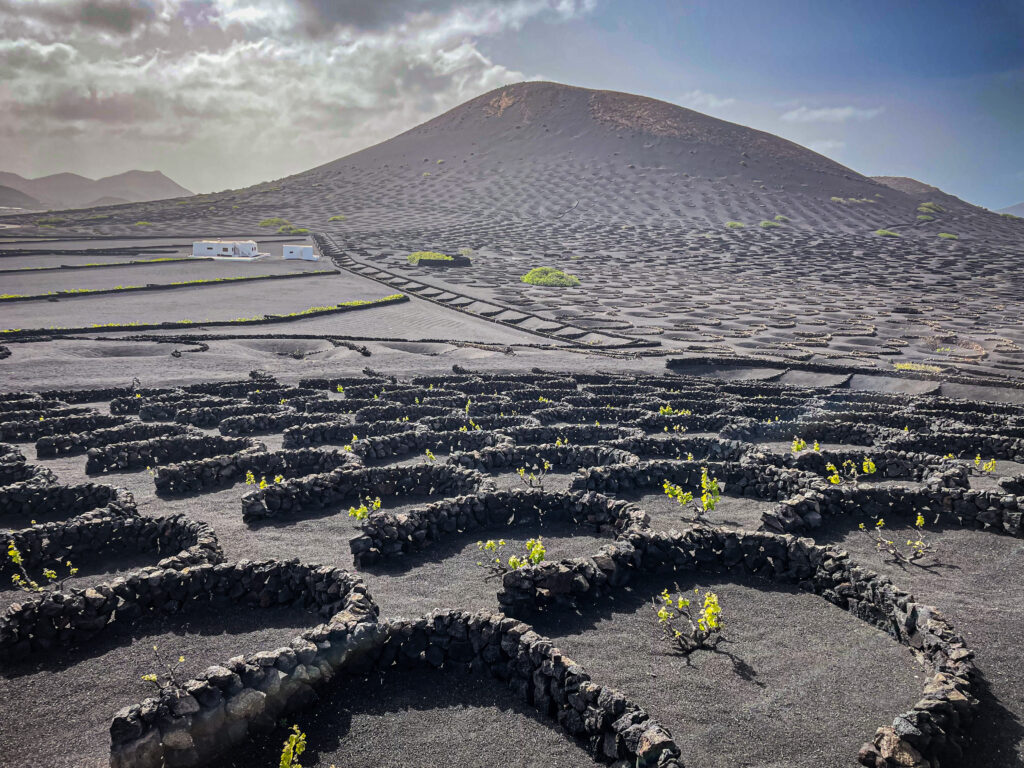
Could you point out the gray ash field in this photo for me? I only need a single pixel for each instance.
(205, 476)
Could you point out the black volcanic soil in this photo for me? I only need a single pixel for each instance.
(75, 693)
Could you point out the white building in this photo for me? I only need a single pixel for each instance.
(226, 249)
(300, 251)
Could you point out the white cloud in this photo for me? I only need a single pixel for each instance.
(829, 114)
(700, 100)
(190, 81)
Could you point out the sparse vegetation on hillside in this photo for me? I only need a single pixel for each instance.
(851, 200)
(887, 233)
(1009, 216)
(143, 223)
(948, 236)
(930, 208)
(780, 217)
(50, 221)
(418, 256)
(549, 276)
(339, 217)
(766, 224)
(925, 217)
(274, 221)
(735, 224)
(291, 229)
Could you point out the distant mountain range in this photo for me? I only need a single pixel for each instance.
(1016, 210)
(69, 190)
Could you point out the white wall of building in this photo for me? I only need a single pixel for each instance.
(300, 251)
(225, 249)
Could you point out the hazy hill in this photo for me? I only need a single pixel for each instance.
(13, 198)
(1015, 210)
(540, 152)
(69, 190)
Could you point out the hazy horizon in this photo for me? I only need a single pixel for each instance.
(219, 95)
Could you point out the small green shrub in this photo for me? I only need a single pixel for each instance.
(339, 217)
(143, 223)
(780, 217)
(418, 256)
(887, 233)
(551, 277)
(1009, 216)
(291, 229)
(769, 224)
(929, 208)
(735, 224)
(294, 746)
(494, 551)
(925, 217)
(273, 221)
(687, 631)
(948, 236)
(49, 221)
(920, 367)
(916, 548)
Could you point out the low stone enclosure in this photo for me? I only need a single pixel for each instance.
(455, 434)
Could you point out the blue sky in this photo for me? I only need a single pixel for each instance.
(226, 93)
(932, 90)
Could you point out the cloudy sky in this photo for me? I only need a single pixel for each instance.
(226, 93)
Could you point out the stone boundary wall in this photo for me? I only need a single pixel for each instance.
(72, 443)
(20, 401)
(102, 393)
(258, 423)
(183, 541)
(888, 463)
(570, 415)
(247, 695)
(314, 492)
(28, 499)
(512, 456)
(131, 404)
(735, 478)
(24, 431)
(500, 423)
(418, 441)
(608, 725)
(208, 418)
(222, 471)
(310, 433)
(34, 414)
(274, 396)
(384, 411)
(574, 433)
(967, 444)
(935, 729)
(162, 450)
(785, 431)
(167, 409)
(386, 534)
(702, 448)
(332, 384)
(988, 510)
(15, 469)
(345, 406)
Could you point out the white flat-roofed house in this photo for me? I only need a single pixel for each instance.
(300, 251)
(226, 249)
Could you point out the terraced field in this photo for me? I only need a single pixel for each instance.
(197, 517)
